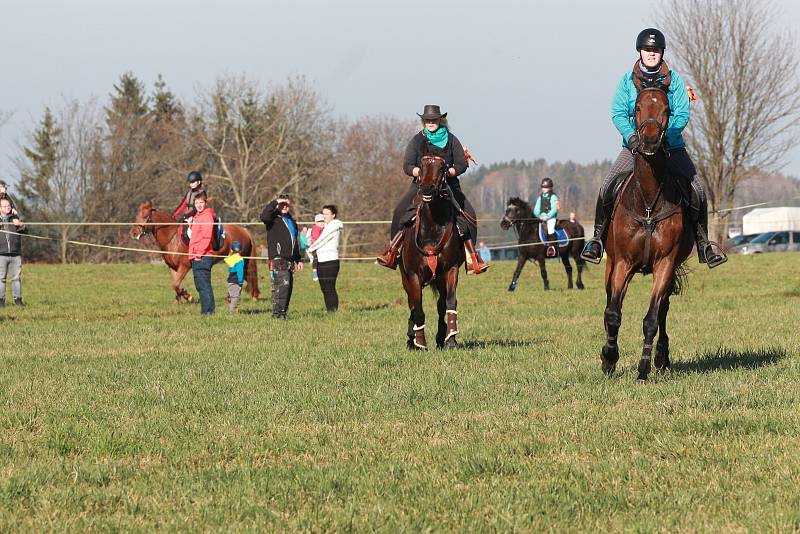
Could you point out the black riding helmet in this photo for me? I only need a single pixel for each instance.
(194, 176)
(651, 38)
(547, 182)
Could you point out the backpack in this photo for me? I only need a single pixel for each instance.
(218, 237)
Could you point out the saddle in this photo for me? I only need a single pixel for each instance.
(562, 239)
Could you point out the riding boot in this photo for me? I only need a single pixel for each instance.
(478, 265)
(593, 249)
(708, 251)
(388, 257)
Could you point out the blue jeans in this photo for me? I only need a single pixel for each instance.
(201, 270)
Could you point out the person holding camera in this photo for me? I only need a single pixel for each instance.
(283, 251)
(10, 251)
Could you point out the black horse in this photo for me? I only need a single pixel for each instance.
(520, 215)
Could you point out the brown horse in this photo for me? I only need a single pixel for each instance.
(519, 215)
(167, 235)
(649, 233)
(432, 253)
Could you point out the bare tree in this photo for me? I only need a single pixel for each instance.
(749, 107)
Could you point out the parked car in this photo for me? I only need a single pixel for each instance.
(741, 239)
(772, 242)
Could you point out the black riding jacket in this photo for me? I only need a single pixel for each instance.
(280, 243)
(453, 155)
(10, 242)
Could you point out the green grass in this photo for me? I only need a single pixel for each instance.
(123, 411)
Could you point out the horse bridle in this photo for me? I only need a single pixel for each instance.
(662, 128)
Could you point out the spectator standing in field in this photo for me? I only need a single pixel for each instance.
(313, 235)
(283, 252)
(201, 225)
(4, 194)
(326, 248)
(483, 250)
(10, 251)
(235, 264)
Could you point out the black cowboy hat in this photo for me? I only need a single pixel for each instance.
(432, 112)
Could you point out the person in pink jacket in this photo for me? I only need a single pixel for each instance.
(201, 225)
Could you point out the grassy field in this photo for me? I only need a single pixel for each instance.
(124, 411)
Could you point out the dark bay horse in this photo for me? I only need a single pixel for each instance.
(520, 215)
(432, 253)
(167, 235)
(649, 233)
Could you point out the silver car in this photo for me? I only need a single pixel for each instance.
(772, 242)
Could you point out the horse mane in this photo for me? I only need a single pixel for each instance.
(519, 203)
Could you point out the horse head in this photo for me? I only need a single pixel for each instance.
(652, 117)
(517, 210)
(144, 220)
(431, 175)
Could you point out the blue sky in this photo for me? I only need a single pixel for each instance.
(520, 79)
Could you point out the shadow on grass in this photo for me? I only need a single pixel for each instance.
(254, 311)
(369, 307)
(792, 293)
(497, 343)
(727, 359)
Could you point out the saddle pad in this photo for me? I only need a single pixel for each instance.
(561, 235)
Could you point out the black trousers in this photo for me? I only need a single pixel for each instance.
(328, 271)
(405, 211)
(282, 280)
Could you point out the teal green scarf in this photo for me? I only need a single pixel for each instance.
(438, 138)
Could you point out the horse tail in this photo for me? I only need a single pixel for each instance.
(680, 280)
(251, 272)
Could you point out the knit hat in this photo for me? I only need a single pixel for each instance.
(319, 218)
(236, 246)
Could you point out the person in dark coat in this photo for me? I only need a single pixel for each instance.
(10, 252)
(4, 194)
(436, 134)
(283, 251)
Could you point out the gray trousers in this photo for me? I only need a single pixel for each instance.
(234, 291)
(679, 165)
(282, 280)
(11, 265)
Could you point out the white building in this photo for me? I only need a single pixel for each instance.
(762, 220)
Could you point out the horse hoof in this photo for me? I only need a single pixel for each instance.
(512, 288)
(580, 286)
(640, 381)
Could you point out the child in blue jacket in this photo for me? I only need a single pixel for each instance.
(235, 264)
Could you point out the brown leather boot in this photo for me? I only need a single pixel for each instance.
(388, 257)
(477, 264)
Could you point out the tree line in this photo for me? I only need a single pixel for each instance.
(90, 162)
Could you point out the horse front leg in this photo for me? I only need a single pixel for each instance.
(176, 286)
(416, 319)
(663, 273)
(448, 314)
(183, 268)
(662, 345)
(543, 271)
(521, 259)
(567, 267)
(618, 276)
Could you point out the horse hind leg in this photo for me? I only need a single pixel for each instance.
(661, 359)
(579, 264)
(543, 271)
(568, 268)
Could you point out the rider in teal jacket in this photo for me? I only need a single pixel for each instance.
(651, 44)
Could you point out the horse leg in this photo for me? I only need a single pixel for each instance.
(662, 283)
(521, 259)
(183, 268)
(543, 270)
(448, 316)
(579, 264)
(176, 286)
(416, 319)
(568, 268)
(662, 345)
(618, 276)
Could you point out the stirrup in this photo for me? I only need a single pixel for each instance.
(585, 253)
(719, 258)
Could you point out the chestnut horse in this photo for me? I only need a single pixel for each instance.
(167, 235)
(649, 233)
(520, 215)
(432, 253)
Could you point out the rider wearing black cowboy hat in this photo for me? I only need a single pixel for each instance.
(650, 67)
(435, 135)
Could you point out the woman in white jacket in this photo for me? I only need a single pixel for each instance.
(327, 249)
